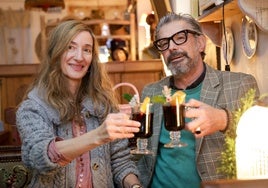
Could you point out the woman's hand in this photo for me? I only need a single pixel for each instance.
(205, 118)
(117, 126)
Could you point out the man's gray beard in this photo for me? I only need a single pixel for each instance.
(178, 69)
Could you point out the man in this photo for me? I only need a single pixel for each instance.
(212, 94)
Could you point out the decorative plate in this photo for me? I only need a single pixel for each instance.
(249, 36)
(228, 45)
(257, 10)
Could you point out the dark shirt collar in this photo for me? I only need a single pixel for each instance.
(193, 85)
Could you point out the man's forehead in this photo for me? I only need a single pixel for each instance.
(173, 27)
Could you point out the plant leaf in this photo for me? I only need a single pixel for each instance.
(127, 97)
(228, 158)
(158, 99)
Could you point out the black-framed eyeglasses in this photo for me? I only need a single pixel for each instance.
(178, 38)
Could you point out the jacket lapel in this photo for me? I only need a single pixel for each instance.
(211, 89)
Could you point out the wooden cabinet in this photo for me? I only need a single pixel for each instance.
(14, 79)
(138, 73)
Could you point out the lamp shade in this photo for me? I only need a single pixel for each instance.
(43, 4)
(252, 144)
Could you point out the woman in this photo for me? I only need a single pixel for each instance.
(71, 134)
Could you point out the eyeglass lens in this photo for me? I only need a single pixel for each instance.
(178, 38)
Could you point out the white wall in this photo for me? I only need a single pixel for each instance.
(35, 22)
(176, 6)
(14, 4)
(258, 64)
(185, 6)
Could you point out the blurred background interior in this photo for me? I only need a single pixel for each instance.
(236, 30)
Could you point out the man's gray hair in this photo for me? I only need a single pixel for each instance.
(170, 17)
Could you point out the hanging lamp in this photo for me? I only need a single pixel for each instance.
(45, 5)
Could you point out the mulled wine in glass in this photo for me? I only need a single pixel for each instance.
(174, 122)
(145, 117)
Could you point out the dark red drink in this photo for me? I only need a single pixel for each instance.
(145, 130)
(170, 117)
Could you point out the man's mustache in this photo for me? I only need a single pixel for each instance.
(175, 54)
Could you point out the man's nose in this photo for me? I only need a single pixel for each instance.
(172, 45)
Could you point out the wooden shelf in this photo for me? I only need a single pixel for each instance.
(127, 37)
(211, 19)
(233, 183)
(10, 70)
(98, 21)
(110, 22)
(130, 37)
(214, 14)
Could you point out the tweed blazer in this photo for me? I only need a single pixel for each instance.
(38, 124)
(220, 89)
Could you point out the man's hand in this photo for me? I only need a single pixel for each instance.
(205, 119)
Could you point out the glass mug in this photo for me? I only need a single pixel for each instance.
(146, 128)
(174, 122)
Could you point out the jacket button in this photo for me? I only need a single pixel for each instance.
(95, 166)
(87, 114)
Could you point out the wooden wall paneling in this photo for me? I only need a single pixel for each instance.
(3, 97)
(15, 79)
(16, 88)
(138, 73)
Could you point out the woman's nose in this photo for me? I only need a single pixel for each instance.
(78, 54)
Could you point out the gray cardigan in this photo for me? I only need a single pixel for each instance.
(38, 124)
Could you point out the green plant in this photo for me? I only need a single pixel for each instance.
(127, 97)
(228, 158)
(159, 99)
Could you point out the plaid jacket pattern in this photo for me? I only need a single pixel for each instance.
(220, 89)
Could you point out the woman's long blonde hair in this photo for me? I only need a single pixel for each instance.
(95, 85)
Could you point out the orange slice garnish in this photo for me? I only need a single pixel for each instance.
(178, 95)
(144, 104)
